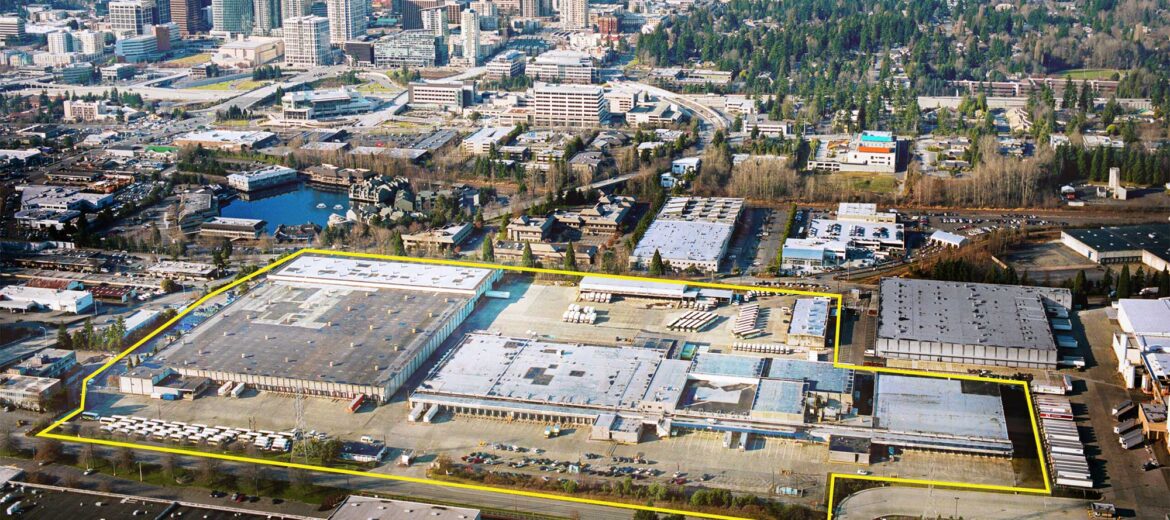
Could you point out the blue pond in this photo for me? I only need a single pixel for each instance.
(293, 205)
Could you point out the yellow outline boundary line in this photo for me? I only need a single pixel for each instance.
(833, 477)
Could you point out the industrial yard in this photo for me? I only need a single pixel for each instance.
(736, 381)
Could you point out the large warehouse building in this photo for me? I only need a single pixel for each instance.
(971, 323)
(1148, 244)
(335, 327)
(690, 232)
(622, 392)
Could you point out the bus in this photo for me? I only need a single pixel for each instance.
(90, 416)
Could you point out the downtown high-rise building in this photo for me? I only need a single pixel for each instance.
(575, 14)
(306, 41)
(188, 15)
(412, 12)
(131, 16)
(347, 19)
(162, 12)
(266, 16)
(434, 19)
(231, 17)
(469, 25)
(294, 8)
(531, 8)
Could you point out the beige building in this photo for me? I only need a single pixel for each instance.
(570, 105)
(306, 41)
(250, 53)
(575, 14)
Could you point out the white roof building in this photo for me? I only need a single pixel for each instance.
(23, 298)
(1144, 317)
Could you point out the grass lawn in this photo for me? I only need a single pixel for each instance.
(223, 85)
(248, 84)
(195, 59)
(377, 88)
(1088, 73)
(872, 182)
(238, 84)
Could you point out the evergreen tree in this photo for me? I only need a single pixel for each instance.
(1078, 289)
(397, 248)
(489, 251)
(526, 259)
(1164, 283)
(63, 340)
(1124, 289)
(656, 266)
(570, 257)
(1070, 95)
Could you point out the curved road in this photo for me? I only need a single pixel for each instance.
(941, 503)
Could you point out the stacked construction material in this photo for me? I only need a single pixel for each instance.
(1066, 452)
(598, 297)
(703, 304)
(579, 314)
(762, 348)
(746, 323)
(692, 321)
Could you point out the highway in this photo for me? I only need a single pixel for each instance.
(246, 101)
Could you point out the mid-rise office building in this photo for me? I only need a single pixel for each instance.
(11, 27)
(506, 64)
(90, 43)
(60, 42)
(131, 16)
(347, 20)
(563, 67)
(449, 95)
(415, 49)
(136, 49)
(306, 41)
(570, 105)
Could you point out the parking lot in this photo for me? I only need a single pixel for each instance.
(1099, 389)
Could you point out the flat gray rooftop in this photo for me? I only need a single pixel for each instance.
(500, 367)
(696, 241)
(1010, 316)
(296, 331)
(383, 274)
(942, 406)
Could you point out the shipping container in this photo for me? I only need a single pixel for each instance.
(225, 389)
(416, 412)
(1122, 409)
(356, 403)
(1077, 483)
(238, 390)
(430, 416)
(1125, 426)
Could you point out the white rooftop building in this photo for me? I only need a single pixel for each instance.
(386, 275)
(23, 298)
